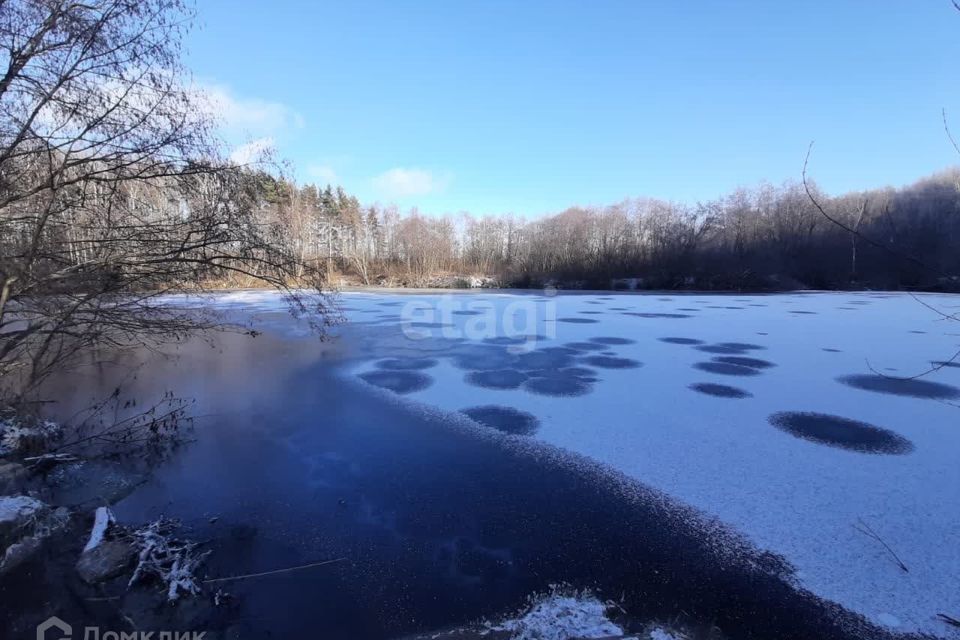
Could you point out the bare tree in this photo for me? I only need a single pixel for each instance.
(112, 187)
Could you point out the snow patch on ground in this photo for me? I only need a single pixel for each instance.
(14, 509)
(562, 617)
(102, 520)
(16, 437)
(660, 634)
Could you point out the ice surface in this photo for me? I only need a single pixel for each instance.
(796, 497)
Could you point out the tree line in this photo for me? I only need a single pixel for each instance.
(767, 237)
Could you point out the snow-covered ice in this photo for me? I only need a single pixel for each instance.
(678, 392)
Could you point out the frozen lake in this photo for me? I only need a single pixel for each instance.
(739, 460)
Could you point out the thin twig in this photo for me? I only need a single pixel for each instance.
(845, 227)
(904, 256)
(938, 365)
(275, 571)
(865, 529)
(946, 125)
(949, 619)
(943, 315)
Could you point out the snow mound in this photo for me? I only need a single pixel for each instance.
(660, 634)
(15, 509)
(18, 438)
(562, 617)
(102, 520)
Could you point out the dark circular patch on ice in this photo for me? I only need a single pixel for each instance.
(430, 325)
(805, 313)
(497, 378)
(672, 340)
(406, 364)
(467, 312)
(504, 419)
(577, 371)
(548, 358)
(559, 386)
(578, 320)
(656, 315)
(720, 390)
(619, 308)
(585, 346)
(583, 373)
(613, 340)
(729, 348)
(840, 432)
(611, 362)
(389, 304)
(687, 309)
(918, 331)
(914, 388)
(831, 350)
(513, 340)
(478, 356)
(594, 313)
(743, 361)
(725, 369)
(746, 346)
(398, 381)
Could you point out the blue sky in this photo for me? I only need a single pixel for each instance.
(530, 107)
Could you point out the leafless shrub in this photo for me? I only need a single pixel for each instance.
(161, 556)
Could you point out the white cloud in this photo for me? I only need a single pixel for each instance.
(247, 116)
(402, 182)
(252, 151)
(324, 174)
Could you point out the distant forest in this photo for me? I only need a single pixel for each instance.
(768, 237)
